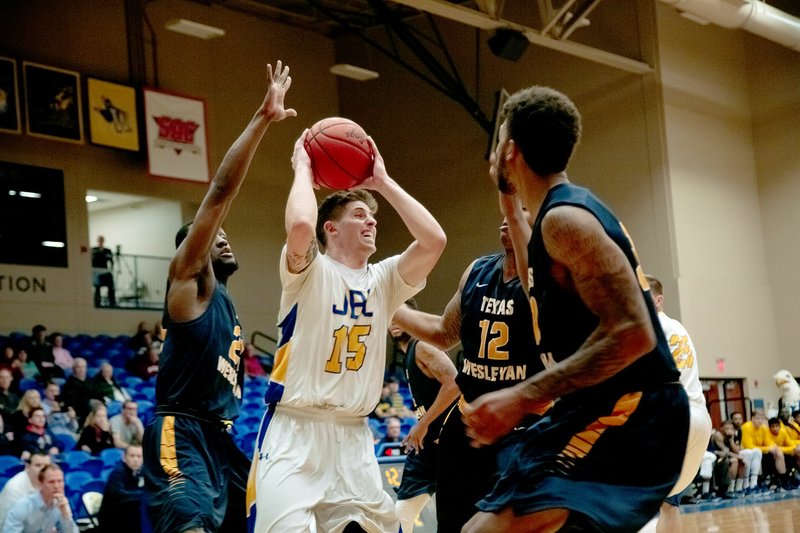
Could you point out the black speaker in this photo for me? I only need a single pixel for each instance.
(508, 44)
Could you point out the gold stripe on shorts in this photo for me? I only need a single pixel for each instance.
(169, 458)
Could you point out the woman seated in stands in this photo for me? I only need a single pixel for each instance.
(107, 387)
(145, 363)
(252, 363)
(30, 400)
(7, 359)
(26, 367)
(61, 355)
(96, 434)
(37, 437)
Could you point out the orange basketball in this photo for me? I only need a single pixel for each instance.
(341, 157)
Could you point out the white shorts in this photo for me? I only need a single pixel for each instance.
(317, 471)
(696, 446)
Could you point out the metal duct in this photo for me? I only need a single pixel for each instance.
(752, 15)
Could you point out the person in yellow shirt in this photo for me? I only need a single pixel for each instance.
(793, 426)
(756, 434)
(790, 447)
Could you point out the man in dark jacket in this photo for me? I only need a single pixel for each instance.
(121, 510)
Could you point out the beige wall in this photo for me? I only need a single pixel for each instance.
(733, 174)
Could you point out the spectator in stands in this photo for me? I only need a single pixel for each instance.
(40, 352)
(252, 365)
(79, 391)
(7, 362)
(141, 339)
(26, 368)
(789, 447)
(23, 483)
(8, 446)
(399, 408)
(756, 435)
(793, 426)
(384, 408)
(61, 355)
(107, 387)
(60, 418)
(122, 498)
(46, 510)
(96, 434)
(9, 401)
(393, 431)
(145, 363)
(31, 399)
(127, 427)
(37, 437)
(157, 337)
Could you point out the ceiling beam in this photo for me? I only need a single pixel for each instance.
(478, 19)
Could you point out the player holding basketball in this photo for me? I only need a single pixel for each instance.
(685, 358)
(195, 475)
(618, 403)
(490, 316)
(316, 465)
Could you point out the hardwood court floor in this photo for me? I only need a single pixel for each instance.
(770, 517)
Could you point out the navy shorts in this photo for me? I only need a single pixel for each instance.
(195, 476)
(614, 461)
(419, 472)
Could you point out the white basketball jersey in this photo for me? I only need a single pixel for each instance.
(333, 321)
(680, 344)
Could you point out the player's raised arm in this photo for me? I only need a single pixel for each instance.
(301, 212)
(421, 256)
(442, 331)
(192, 259)
(520, 232)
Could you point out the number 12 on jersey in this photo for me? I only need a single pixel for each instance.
(349, 340)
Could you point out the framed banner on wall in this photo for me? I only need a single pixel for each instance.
(112, 114)
(9, 96)
(53, 102)
(177, 144)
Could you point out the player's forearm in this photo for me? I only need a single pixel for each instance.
(426, 327)
(602, 356)
(419, 221)
(301, 206)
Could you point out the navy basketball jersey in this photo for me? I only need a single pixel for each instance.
(200, 371)
(496, 331)
(423, 389)
(563, 322)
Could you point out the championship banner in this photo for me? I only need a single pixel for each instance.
(112, 114)
(177, 146)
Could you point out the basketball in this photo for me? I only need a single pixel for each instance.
(341, 157)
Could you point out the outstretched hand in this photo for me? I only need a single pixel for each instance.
(300, 157)
(279, 83)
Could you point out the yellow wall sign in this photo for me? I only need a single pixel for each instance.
(112, 114)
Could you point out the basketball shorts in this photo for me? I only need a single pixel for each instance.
(699, 435)
(419, 472)
(464, 474)
(611, 460)
(316, 470)
(195, 476)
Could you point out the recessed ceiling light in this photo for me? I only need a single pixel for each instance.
(53, 244)
(194, 29)
(90, 198)
(28, 194)
(353, 72)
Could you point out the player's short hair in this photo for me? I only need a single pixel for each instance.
(727, 423)
(545, 125)
(655, 285)
(182, 233)
(774, 421)
(333, 206)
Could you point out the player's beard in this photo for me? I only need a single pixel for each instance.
(224, 269)
(503, 183)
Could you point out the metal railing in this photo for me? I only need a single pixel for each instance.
(139, 282)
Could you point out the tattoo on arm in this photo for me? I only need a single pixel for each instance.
(298, 262)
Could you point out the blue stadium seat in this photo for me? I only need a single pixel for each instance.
(93, 466)
(249, 423)
(114, 408)
(10, 465)
(112, 456)
(131, 382)
(247, 442)
(28, 383)
(105, 473)
(93, 485)
(65, 441)
(74, 480)
(74, 459)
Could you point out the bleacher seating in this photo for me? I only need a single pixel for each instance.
(10, 465)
